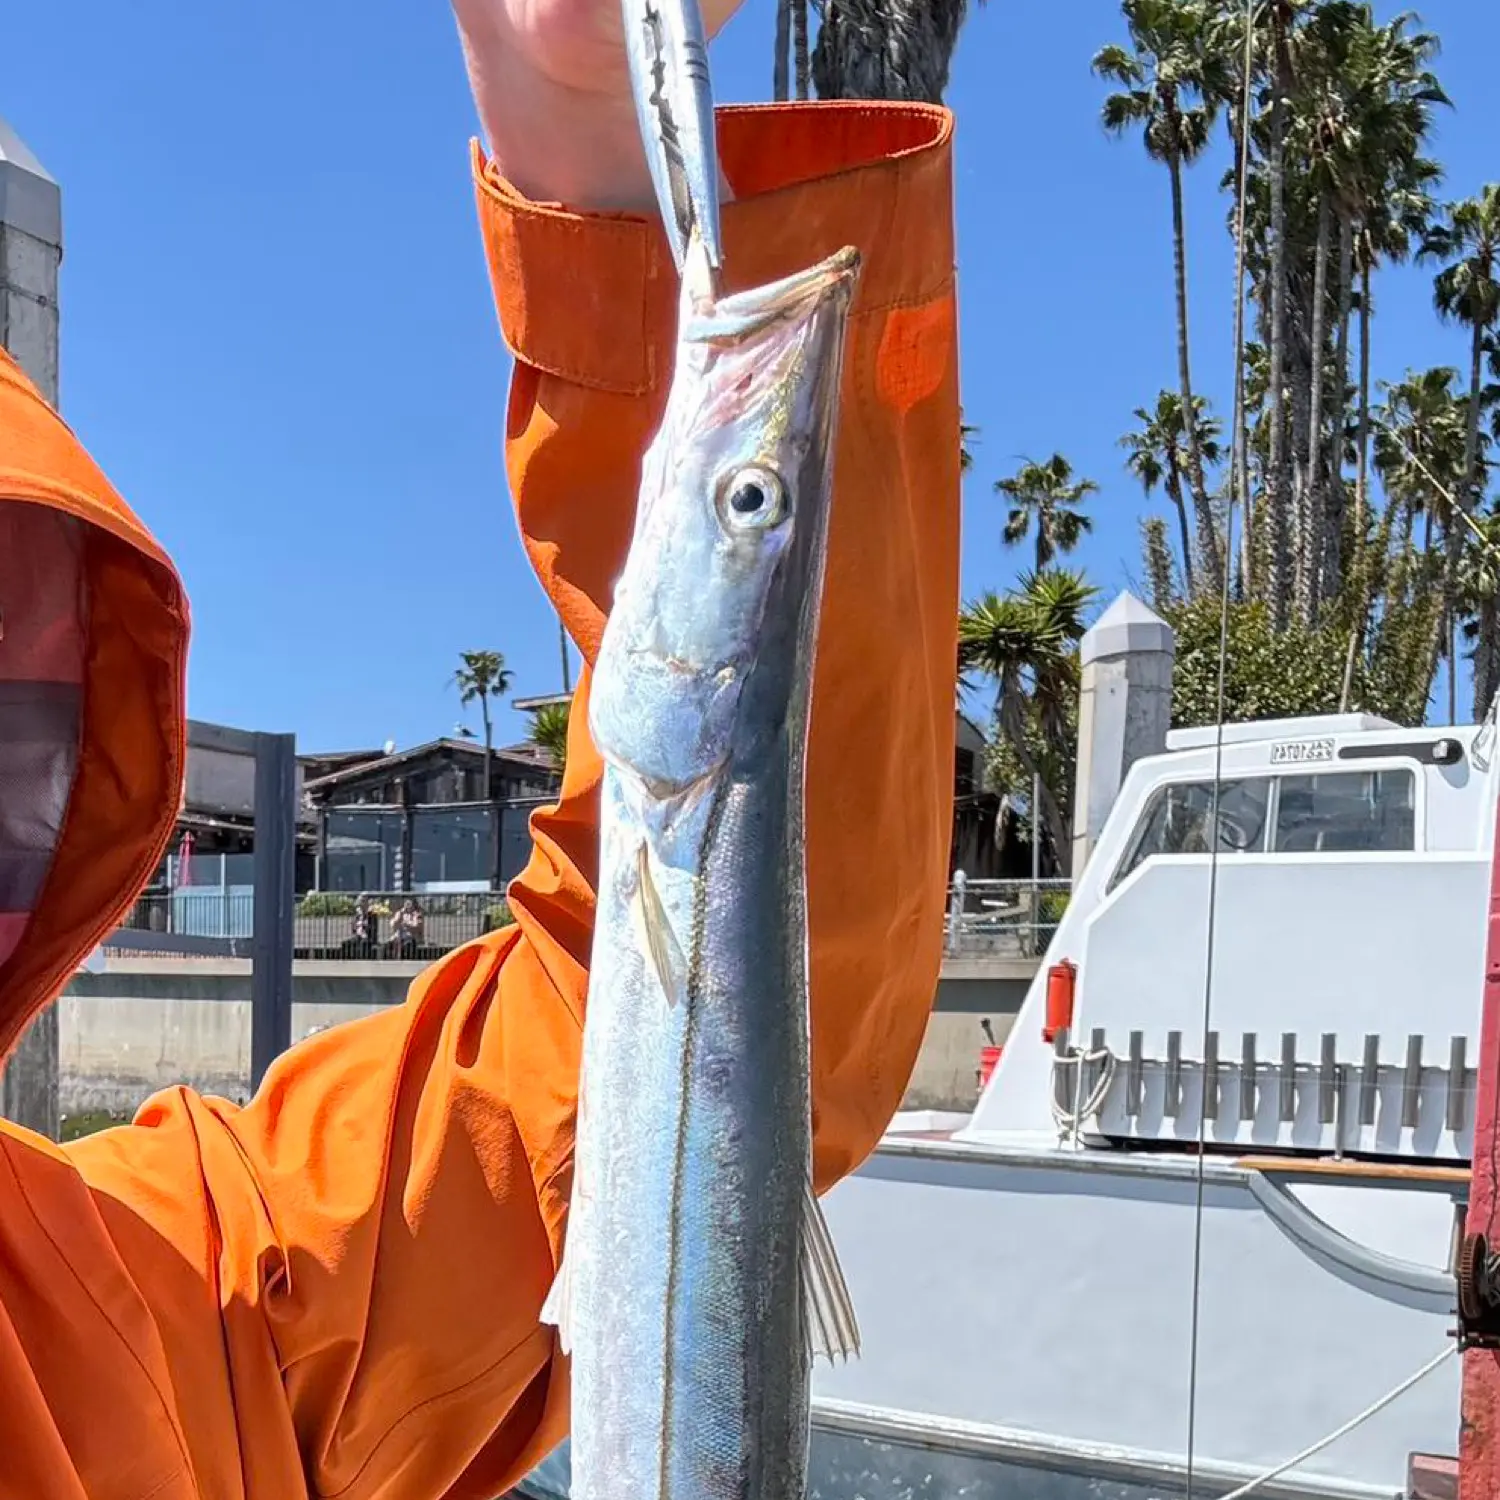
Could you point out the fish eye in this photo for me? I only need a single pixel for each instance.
(752, 498)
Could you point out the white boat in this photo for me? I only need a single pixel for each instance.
(1033, 1280)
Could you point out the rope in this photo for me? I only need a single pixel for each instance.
(1344, 1431)
(1070, 1121)
(1199, 1185)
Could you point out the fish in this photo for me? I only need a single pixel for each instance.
(699, 1278)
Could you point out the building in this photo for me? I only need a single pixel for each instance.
(422, 819)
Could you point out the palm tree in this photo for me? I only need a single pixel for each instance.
(1158, 456)
(1027, 643)
(483, 675)
(1172, 79)
(1479, 597)
(1420, 437)
(1047, 494)
(886, 49)
(549, 730)
(1467, 291)
(1156, 551)
(1364, 103)
(1280, 16)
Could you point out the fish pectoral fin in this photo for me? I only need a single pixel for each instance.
(660, 942)
(827, 1307)
(557, 1309)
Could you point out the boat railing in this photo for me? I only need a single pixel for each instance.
(1002, 918)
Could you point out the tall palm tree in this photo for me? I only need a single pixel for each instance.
(1467, 291)
(1158, 455)
(886, 49)
(1364, 104)
(483, 675)
(1420, 455)
(1172, 77)
(1280, 17)
(1046, 496)
(1026, 642)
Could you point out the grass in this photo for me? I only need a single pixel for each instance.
(75, 1127)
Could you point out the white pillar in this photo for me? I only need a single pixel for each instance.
(30, 254)
(1124, 710)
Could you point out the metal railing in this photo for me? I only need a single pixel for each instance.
(985, 918)
(1002, 918)
(327, 924)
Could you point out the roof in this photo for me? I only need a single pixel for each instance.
(530, 756)
(541, 700)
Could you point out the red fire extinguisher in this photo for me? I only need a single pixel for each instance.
(1061, 989)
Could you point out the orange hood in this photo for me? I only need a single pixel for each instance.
(93, 650)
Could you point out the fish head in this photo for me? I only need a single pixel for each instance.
(707, 650)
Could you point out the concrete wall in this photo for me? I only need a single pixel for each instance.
(145, 1024)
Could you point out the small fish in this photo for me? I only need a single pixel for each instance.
(699, 1277)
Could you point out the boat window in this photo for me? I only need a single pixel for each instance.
(1178, 818)
(1346, 811)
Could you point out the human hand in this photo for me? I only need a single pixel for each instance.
(553, 92)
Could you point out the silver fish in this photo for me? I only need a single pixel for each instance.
(699, 1278)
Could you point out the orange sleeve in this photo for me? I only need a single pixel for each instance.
(338, 1285)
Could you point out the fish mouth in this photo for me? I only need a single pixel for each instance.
(741, 314)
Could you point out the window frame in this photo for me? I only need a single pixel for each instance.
(1407, 764)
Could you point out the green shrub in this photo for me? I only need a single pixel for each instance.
(325, 904)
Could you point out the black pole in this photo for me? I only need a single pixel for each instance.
(275, 901)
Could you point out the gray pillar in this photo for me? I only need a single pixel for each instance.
(272, 941)
(1124, 710)
(30, 254)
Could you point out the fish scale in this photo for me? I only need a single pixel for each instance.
(698, 1277)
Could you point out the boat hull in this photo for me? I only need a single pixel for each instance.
(1028, 1314)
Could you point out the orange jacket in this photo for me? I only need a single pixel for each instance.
(334, 1290)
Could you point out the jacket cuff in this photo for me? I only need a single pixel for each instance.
(591, 297)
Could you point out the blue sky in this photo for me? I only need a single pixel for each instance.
(278, 337)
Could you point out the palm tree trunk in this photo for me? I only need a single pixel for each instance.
(1239, 477)
(1208, 538)
(1335, 494)
(1310, 551)
(1174, 489)
(1484, 658)
(783, 45)
(1454, 532)
(1013, 724)
(1452, 667)
(484, 710)
(799, 46)
(1470, 496)
(1276, 490)
(1366, 601)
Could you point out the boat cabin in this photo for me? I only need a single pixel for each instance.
(1281, 927)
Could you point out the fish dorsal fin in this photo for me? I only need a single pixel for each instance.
(660, 942)
(558, 1307)
(827, 1308)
